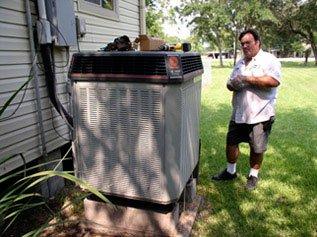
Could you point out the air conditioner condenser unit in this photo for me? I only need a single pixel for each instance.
(136, 122)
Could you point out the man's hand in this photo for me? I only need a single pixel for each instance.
(237, 83)
(229, 85)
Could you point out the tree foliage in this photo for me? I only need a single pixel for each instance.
(283, 25)
(209, 20)
(298, 18)
(154, 19)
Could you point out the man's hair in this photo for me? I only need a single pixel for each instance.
(255, 34)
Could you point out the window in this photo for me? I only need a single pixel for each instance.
(102, 8)
(108, 4)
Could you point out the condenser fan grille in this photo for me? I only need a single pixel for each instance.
(191, 63)
(119, 65)
(148, 66)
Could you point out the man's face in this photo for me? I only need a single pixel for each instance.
(249, 46)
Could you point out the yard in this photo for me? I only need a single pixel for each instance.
(285, 202)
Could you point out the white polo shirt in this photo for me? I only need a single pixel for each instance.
(251, 104)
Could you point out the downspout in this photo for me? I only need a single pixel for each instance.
(142, 17)
(36, 78)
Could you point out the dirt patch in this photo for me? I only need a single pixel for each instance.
(64, 216)
(64, 211)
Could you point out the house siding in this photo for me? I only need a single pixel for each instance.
(21, 133)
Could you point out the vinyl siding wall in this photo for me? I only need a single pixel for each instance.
(20, 133)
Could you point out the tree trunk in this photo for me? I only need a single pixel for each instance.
(220, 50)
(309, 35)
(314, 48)
(306, 54)
(235, 47)
(220, 56)
(313, 45)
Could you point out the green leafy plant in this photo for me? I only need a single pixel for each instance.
(21, 196)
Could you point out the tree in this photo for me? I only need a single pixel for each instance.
(154, 19)
(279, 40)
(209, 20)
(298, 17)
(197, 44)
(219, 22)
(248, 14)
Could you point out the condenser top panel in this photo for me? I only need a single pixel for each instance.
(136, 66)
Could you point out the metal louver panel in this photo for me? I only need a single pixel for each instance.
(191, 63)
(189, 149)
(120, 137)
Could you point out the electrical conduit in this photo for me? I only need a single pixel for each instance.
(36, 78)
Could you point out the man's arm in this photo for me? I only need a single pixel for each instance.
(261, 82)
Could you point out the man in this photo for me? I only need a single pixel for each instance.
(253, 81)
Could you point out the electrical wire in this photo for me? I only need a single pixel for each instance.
(67, 58)
(24, 163)
(65, 41)
(22, 99)
(78, 48)
(29, 75)
(50, 80)
(52, 119)
(31, 72)
(51, 69)
(53, 64)
(77, 34)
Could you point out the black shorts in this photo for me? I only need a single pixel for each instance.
(255, 134)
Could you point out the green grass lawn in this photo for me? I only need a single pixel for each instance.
(285, 202)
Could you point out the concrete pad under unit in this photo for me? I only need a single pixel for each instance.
(118, 220)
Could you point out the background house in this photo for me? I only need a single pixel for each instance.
(21, 136)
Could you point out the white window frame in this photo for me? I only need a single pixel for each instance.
(96, 10)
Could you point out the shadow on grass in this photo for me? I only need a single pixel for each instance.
(292, 64)
(284, 202)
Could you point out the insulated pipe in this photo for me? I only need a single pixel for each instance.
(142, 17)
(49, 71)
(50, 83)
(36, 78)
